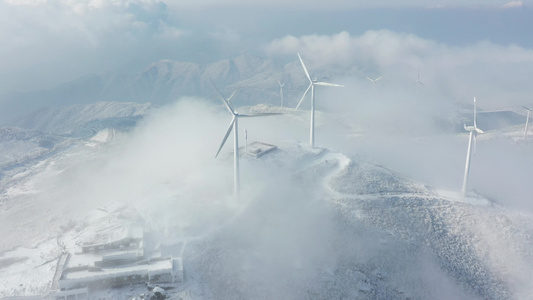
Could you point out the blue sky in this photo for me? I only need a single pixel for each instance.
(48, 42)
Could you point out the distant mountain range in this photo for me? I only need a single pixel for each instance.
(166, 81)
(84, 120)
(48, 130)
(339, 227)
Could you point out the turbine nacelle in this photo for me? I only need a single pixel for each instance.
(473, 128)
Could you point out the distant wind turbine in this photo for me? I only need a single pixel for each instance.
(474, 130)
(312, 83)
(527, 121)
(418, 82)
(374, 81)
(234, 126)
(281, 91)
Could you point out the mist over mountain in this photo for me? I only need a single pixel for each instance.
(257, 79)
(73, 120)
(49, 131)
(166, 81)
(372, 211)
(311, 223)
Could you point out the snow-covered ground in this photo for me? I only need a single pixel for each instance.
(310, 223)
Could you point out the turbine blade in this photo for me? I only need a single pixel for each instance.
(230, 128)
(305, 69)
(302, 99)
(258, 115)
(222, 98)
(229, 99)
(526, 108)
(475, 113)
(369, 79)
(328, 84)
(378, 78)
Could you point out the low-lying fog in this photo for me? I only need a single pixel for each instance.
(280, 226)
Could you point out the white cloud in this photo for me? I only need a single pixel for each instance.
(383, 47)
(495, 73)
(513, 4)
(70, 39)
(337, 4)
(46, 43)
(25, 2)
(168, 32)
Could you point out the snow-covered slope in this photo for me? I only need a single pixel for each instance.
(84, 120)
(350, 229)
(311, 223)
(45, 131)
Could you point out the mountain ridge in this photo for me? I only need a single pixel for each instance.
(166, 81)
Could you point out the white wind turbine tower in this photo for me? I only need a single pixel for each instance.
(312, 83)
(281, 91)
(474, 130)
(374, 81)
(234, 126)
(527, 121)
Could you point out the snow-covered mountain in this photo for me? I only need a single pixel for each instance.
(166, 81)
(360, 231)
(256, 79)
(79, 120)
(311, 223)
(48, 132)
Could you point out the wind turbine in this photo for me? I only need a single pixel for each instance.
(374, 81)
(418, 82)
(312, 83)
(281, 91)
(233, 126)
(527, 121)
(474, 130)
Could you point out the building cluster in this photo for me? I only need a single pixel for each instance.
(126, 257)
